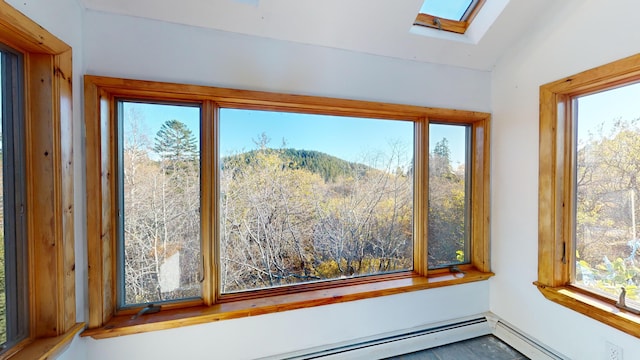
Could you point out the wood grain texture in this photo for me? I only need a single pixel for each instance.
(64, 177)
(49, 184)
(234, 98)
(124, 325)
(455, 26)
(421, 196)
(480, 196)
(593, 307)
(41, 197)
(49, 348)
(100, 96)
(458, 27)
(20, 32)
(556, 203)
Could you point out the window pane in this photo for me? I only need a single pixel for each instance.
(447, 9)
(607, 191)
(307, 198)
(160, 202)
(3, 295)
(13, 256)
(448, 195)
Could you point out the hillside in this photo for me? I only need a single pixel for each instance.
(327, 166)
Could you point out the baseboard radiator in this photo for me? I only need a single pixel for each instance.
(421, 338)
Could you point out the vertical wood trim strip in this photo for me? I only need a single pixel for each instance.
(420, 197)
(99, 209)
(64, 76)
(207, 201)
(480, 193)
(108, 211)
(547, 234)
(42, 229)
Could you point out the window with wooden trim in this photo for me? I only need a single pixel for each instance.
(589, 141)
(37, 191)
(227, 203)
(448, 15)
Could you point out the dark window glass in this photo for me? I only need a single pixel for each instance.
(13, 252)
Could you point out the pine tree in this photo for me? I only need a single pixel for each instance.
(441, 158)
(175, 142)
(177, 147)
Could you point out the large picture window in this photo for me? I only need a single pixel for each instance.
(332, 199)
(588, 241)
(229, 203)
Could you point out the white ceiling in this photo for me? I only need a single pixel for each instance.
(380, 27)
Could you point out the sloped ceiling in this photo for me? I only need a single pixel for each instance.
(380, 27)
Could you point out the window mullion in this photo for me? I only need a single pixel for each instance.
(421, 196)
(209, 206)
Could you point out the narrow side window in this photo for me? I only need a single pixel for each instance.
(159, 203)
(449, 195)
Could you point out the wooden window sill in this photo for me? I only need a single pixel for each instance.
(46, 348)
(167, 319)
(593, 306)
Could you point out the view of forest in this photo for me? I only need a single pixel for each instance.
(286, 216)
(608, 169)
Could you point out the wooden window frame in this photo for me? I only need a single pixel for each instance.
(454, 26)
(49, 185)
(105, 320)
(555, 204)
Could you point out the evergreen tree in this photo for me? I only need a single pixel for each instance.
(177, 147)
(441, 158)
(175, 142)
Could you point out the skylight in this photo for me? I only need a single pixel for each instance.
(448, 15)
(447, 9)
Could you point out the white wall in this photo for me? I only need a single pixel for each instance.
(575, 35)
(138, 48)
(130, 47)
(279, 333)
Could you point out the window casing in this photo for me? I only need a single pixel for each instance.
(109, 318)
(558, 205)
(49, 320)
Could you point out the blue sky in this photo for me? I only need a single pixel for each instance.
(607, 106)
(348, 138)
(344, 137)
(448, 9)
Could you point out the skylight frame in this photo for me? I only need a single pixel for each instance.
(455, 26)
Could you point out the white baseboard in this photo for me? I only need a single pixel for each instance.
(525, 344)
(425, 337)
